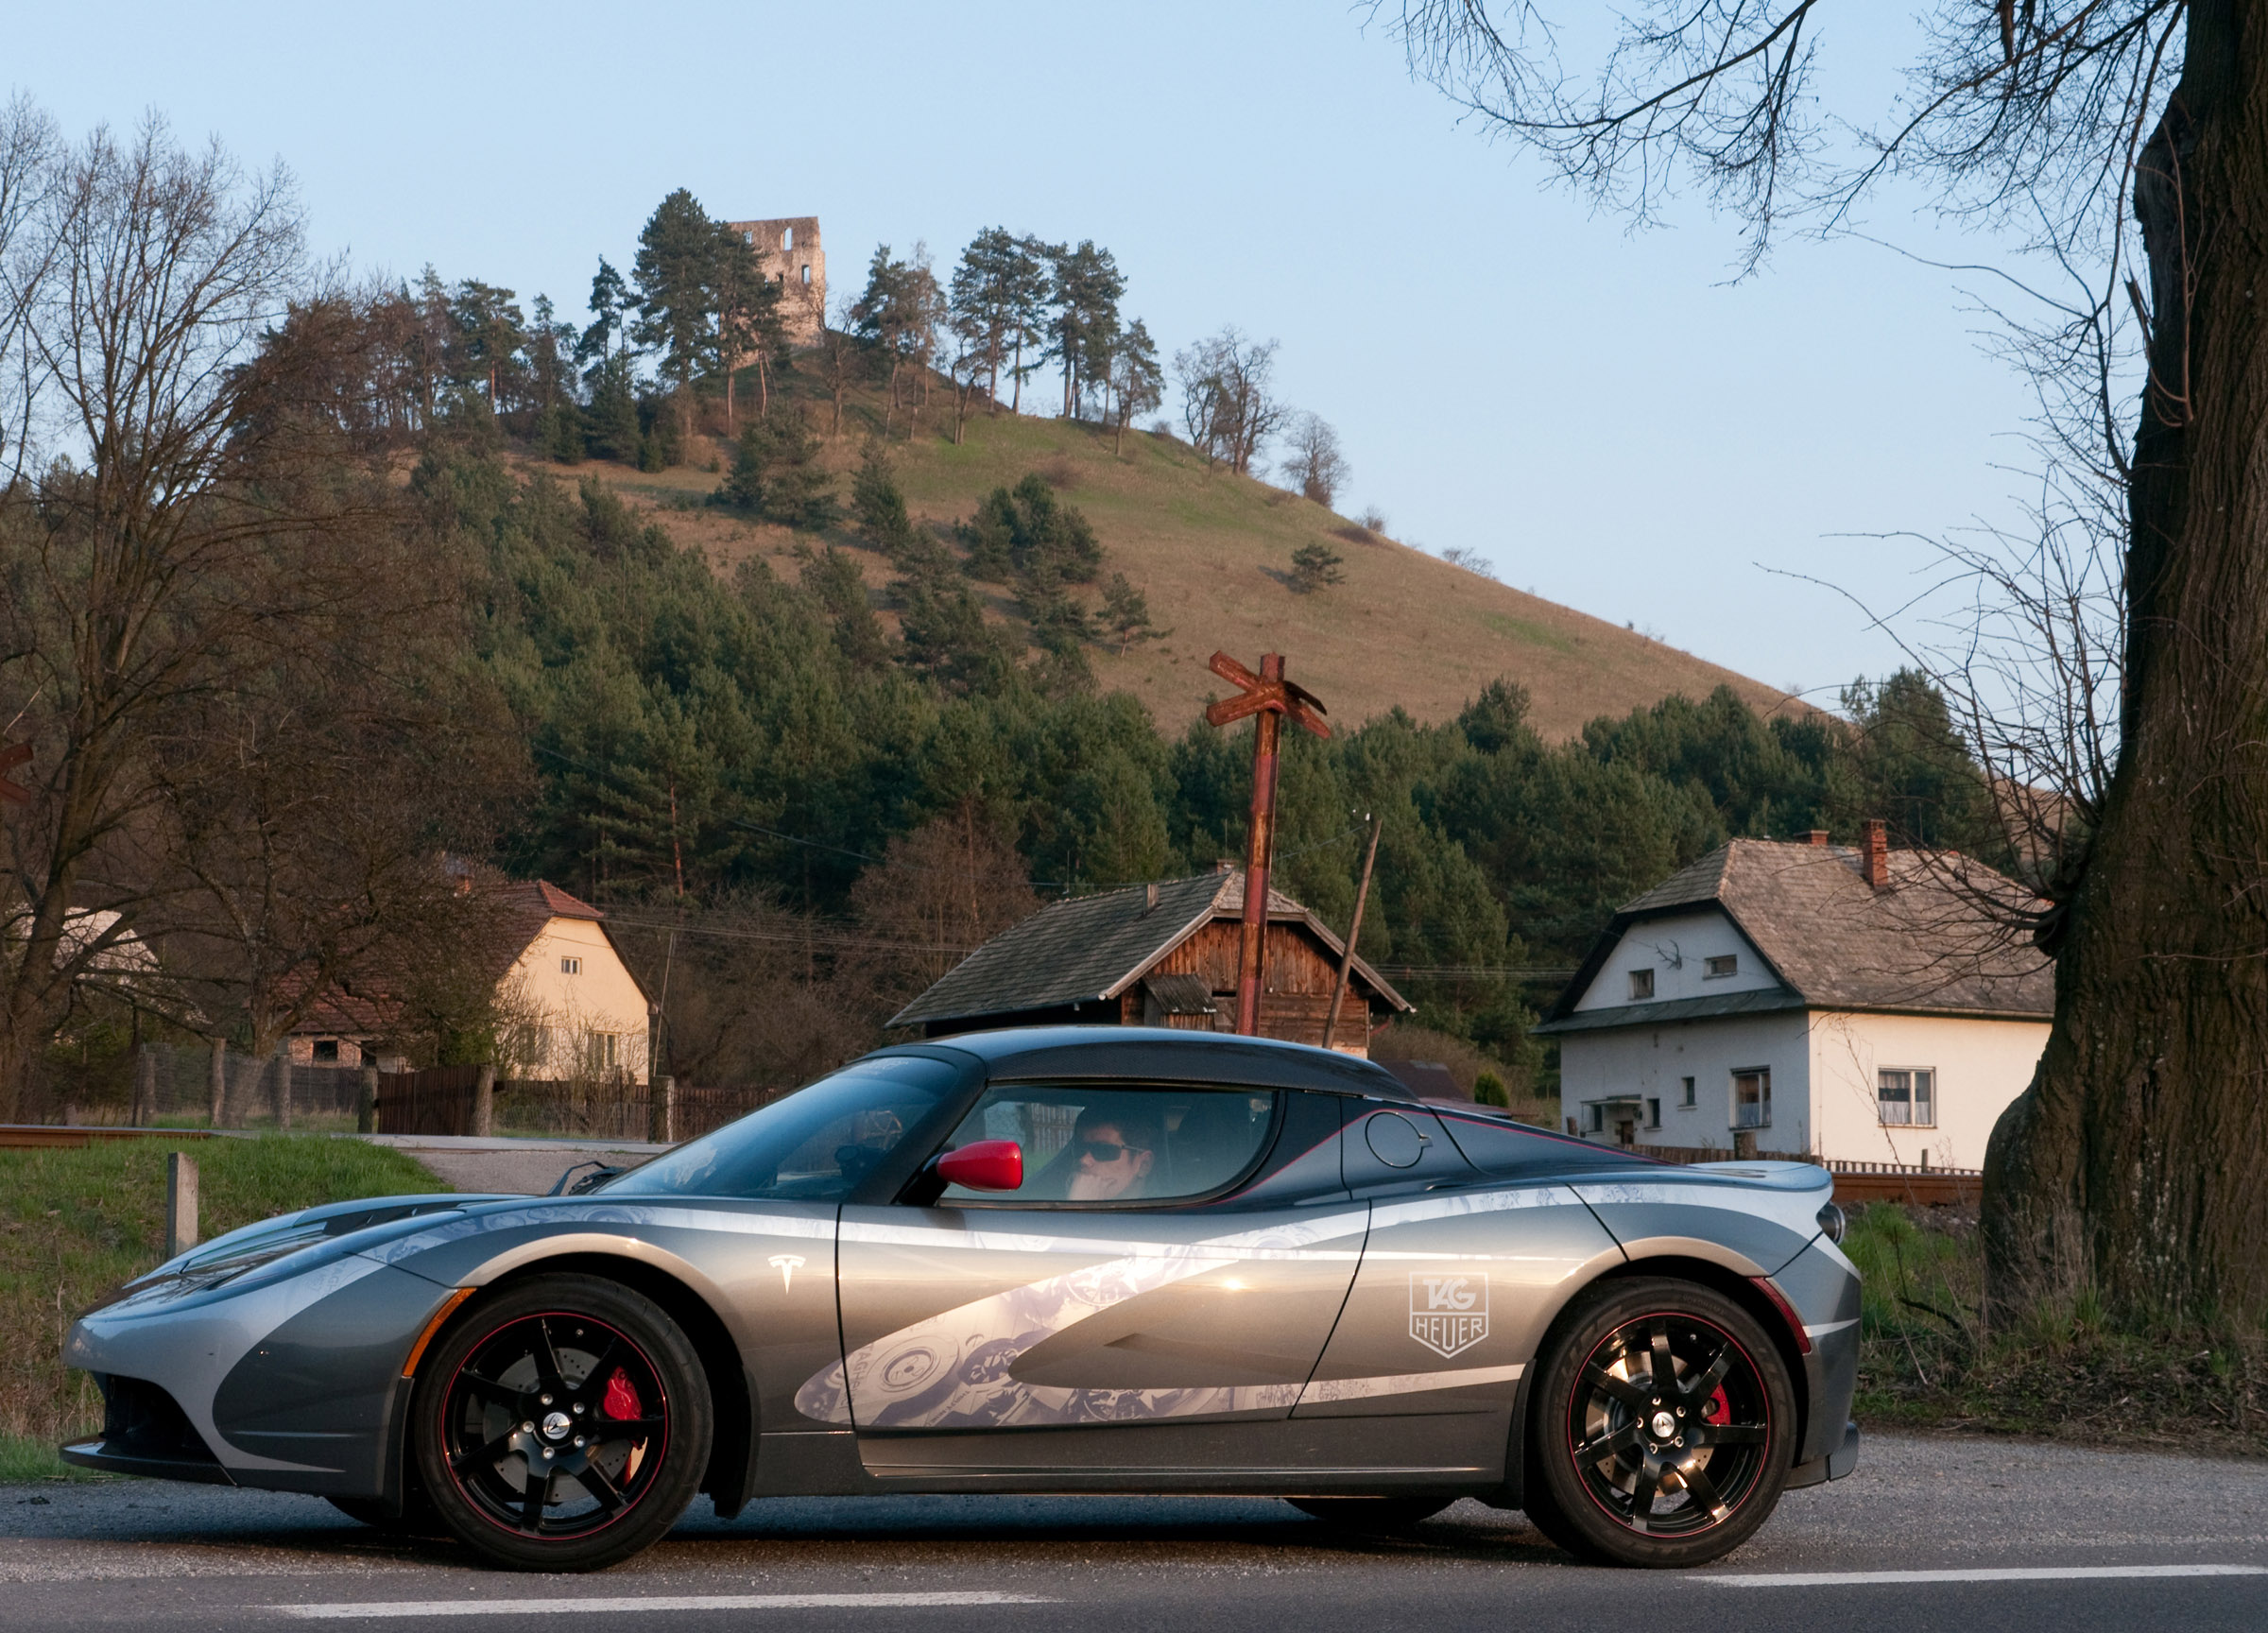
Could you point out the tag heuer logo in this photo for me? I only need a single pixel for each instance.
(1448, 1313)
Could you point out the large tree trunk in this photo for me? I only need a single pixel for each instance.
(2137, 1160)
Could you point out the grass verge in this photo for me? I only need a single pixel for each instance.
(2063, 1372)
(76, 1223)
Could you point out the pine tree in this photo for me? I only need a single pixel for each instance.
(878, 505)
(1316, 566)
(610, 301)
(613, 417)
(1126, 613)
(775, 476)
(1137, 381)
(990, 536)
(1083, 287)
(674, 274)
(833, 578)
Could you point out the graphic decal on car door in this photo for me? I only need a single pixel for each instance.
(1448, 1313)
(954, 1370)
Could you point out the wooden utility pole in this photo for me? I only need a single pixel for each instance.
(1268, 697)
(1354, 931)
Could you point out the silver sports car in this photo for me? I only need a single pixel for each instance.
(1052, 1260)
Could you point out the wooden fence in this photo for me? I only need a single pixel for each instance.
(444, 1100)
(1856, 1181)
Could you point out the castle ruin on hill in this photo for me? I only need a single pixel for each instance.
(795, 261)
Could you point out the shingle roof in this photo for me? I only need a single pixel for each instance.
(1095, 946)
(1928, 943)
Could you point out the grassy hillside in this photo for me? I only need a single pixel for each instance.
(1213, 552)
(76, 1223)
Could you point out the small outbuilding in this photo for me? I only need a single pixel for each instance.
(1851, 1004)
(1163, 954)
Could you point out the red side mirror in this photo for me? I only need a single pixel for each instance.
(984, 1165)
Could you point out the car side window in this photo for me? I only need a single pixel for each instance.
(1116, 1144)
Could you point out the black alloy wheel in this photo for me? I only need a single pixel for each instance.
(563, 1425)
(1662, 1429)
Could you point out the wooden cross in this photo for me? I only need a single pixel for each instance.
(1270, 696)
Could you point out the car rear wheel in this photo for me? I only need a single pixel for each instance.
(1663, 1423)
(1371, 1513)
(563, 1425)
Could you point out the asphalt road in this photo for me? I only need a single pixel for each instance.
(2018, 1537)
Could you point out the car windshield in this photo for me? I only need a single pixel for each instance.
(814, 1145)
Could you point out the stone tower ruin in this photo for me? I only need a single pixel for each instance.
(795, 261)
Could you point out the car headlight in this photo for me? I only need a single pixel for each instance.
(1832, 1222)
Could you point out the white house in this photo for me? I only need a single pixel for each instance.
(1849, 1003)
(572, 1007)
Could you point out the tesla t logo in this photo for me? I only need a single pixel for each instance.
(1448, 1313)
(787, 1264)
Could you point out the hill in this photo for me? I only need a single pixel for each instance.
(1213, 550)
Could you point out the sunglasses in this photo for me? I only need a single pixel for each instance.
(1104, 1151)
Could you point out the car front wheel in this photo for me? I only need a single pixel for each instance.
(1663, 1423)
(563, 1425)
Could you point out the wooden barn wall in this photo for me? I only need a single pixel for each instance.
(1297, 998)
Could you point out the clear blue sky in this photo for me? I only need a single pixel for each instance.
(1597, 412)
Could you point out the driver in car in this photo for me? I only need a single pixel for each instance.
(1115, 1152)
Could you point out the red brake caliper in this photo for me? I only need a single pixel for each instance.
(1718, 1410)
(622, 1403)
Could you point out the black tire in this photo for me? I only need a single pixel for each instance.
(1624, 1468)
(586, 1382)
(1371, 1513)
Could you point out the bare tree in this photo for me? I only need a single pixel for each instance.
(941, 891)
(1315, 464)
(2125, 143)
(1227, 400)
(199, 516)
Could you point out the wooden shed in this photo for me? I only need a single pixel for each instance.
(1161, 954)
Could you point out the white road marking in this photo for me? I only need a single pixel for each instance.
(2017, 1573)
(404, 1608)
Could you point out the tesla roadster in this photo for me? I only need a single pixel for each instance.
(1050, 1259)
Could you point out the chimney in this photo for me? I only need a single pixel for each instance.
(1874, 856)
(1151, 905)
(1816, 836)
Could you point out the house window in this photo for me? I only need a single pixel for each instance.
(1598, 1119)
(1642, 984)
(1908, 1096)
(1688, 1084)
(570, 966)
(788, 238)
(749, 235)
(1752, 1097)
(602, 1051)
(807, 274)
(326, 1050)
(1722, 965)
(1653, 1113)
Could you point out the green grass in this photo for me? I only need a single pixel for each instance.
(73, 1224)
(2063, 1371)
